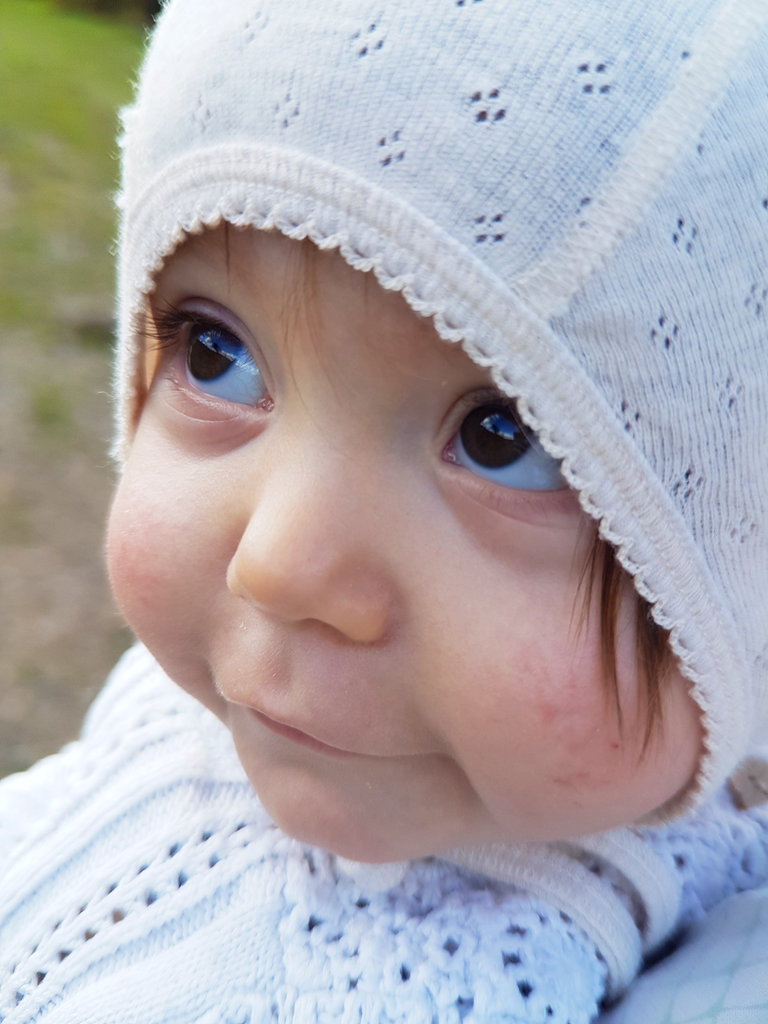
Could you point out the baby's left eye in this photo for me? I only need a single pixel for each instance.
(493, 443)
(219, 364)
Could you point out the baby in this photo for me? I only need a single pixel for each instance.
(442, 398)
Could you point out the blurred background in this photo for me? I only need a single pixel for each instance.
(66, 67)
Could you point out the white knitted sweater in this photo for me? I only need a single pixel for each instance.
(143, 882)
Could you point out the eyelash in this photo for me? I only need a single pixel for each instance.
(485, 396)
(170, 323)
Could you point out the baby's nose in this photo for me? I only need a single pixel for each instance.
(313, 548)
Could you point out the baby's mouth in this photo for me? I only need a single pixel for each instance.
(297, 736)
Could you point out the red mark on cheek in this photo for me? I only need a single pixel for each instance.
(570, 719)
(549, 711)
(568, 781)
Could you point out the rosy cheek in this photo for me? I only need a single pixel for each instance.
(134, 552)
(575, 710)
(152, 589)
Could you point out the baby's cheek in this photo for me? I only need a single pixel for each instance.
(160, 579)
(533, 714)
(573, 715)
(135, 559)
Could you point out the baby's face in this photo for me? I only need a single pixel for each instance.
(374, 584)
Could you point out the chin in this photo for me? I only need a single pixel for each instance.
(336, 832)
(314, 814)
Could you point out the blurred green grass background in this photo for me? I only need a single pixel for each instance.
(63, 76)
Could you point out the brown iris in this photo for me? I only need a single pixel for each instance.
(205, 357)
(492, 436)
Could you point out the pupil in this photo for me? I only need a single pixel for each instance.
(205, 358)
(493, 437)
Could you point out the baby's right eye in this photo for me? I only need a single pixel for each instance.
(219, 364)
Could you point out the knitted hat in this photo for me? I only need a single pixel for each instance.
(577, 192)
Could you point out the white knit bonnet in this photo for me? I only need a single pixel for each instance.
(575, 190)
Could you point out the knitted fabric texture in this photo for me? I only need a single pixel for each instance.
(142, 881)
(577, 193)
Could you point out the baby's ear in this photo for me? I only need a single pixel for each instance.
(748, 785)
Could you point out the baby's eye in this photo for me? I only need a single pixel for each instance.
(220, 365)
(493, 443)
